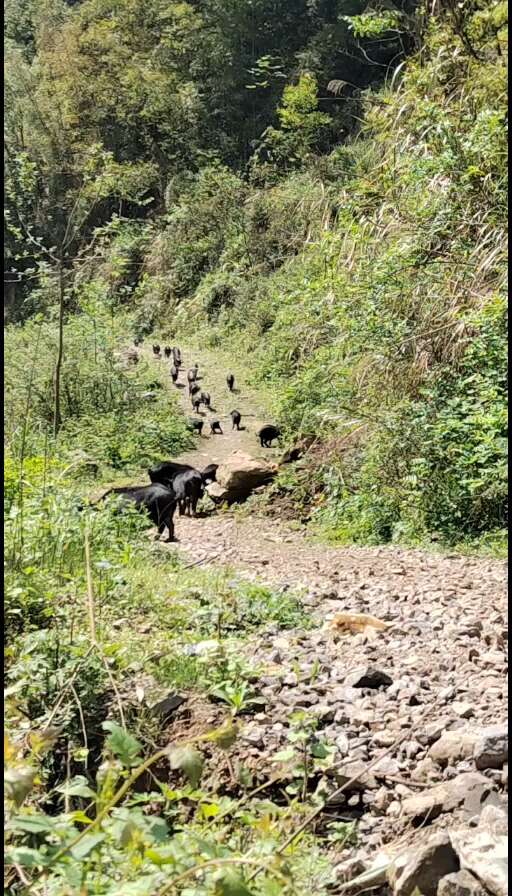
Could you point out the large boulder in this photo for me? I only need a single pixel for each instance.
(483, 851)
(460, 883)
(217, 493)
(454, 746)
(427, 865)
(491, 748)
(238, 475)
(487, 746)
(469, 789)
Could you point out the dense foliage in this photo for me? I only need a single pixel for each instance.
(367, 285)
(319, 188)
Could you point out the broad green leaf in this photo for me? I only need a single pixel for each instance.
(209, 810)
(18, 783)
(231, 884)
(86, 846)
(24, 856)
(158, 829)
(128, 832)
(188, 761)
(78, 786)
(284, 755)
(33, 824)
(80, 817)
(123, 744)
(224, 737)
(158, 858)
(319, 751)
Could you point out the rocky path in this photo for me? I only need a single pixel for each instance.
(426, 700)
(416, 711)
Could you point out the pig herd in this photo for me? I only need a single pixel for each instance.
(180, 485)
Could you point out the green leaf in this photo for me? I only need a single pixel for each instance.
(224, 737)
(188, 761)
(80, 817)
(128, 832)
(86, 846)
(33, 824)
(209, 810)
(231, 884)
(319, 751)
(158, 828)
(122, 744)
(77, 787)
(18, 783)
(284, 755)
(24, 856)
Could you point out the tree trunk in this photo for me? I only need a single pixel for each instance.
(57, 418)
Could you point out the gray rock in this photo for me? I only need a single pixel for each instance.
(494, 774)
(484, 853)
(403, 791)
(472, 628)
(240, 473)
(374, 874)
(432, 732)
(386, 766)
(323, 712)
(492, 658)
(382, 799)
(291, 679)
(412, 748)
(346, 871)
(427, 866)
(344, 695)
(342, 744)
(254, 736)
(302, 699)
(464, 710)
(470, 789)
(491, 747)
(394, 809)
(201, 647)
(355, 768)
(460, 883)
(426, 770)
(384, 738)
(454, 745)
(216, 492)
(495, 819)
(281, 643)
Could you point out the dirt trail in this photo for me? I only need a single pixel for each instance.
(213, 369)
(419, 698)
(280, 553)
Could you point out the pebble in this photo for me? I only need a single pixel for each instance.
(464, 710)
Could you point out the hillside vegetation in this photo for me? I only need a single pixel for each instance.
(368, 291)
(318, 191)
(364, 279)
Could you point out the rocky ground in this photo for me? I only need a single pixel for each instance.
(426, 699)
(414, 714)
